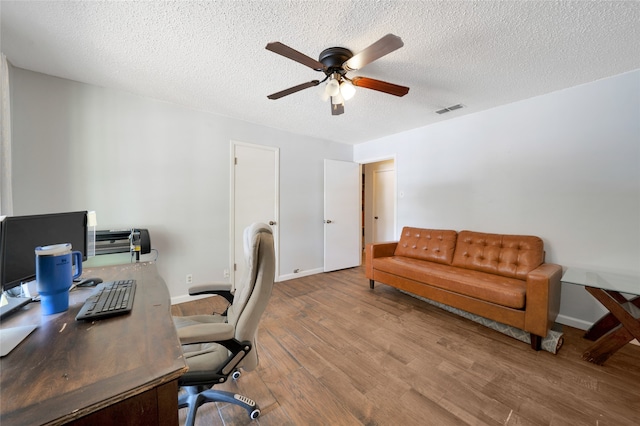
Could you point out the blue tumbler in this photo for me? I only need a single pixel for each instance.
(54, 275)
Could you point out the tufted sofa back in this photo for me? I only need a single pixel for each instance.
(511, 256)
(435, 245)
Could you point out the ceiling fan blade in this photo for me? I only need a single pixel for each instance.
(377, 50)
(293, 89)
(336, 109)
(287, 52)
(380, 86)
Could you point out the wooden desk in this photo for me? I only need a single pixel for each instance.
(622, 324)
(120, 370)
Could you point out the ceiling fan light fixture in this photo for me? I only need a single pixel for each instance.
(333, 87)
(347, 90)
(323, 93)
(335, 63)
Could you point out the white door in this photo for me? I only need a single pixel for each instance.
(383, 205)
(342, 215)
(254, 197)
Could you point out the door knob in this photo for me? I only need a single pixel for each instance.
(271, 222)
(327, 221)
(375, 217)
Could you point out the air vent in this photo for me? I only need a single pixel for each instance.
(451, 108)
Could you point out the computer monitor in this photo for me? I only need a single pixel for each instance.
(20, 235)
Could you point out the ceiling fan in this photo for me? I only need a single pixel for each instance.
(335, 63)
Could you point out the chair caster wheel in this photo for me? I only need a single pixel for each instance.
(255, 414)
(236, 375)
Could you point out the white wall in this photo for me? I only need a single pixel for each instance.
(143, 163)
(563, 166)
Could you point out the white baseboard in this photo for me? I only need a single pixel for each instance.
(186, 298)
(573, 322)
(300, 274)
(581, 325)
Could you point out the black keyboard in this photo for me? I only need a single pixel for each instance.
(109, 299)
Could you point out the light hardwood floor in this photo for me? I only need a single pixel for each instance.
(334, 352)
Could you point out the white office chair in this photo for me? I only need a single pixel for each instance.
(216, 346)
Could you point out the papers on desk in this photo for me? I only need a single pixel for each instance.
(11, 337)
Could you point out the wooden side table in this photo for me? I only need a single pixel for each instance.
(622, 324)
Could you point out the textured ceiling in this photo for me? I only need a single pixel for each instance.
(210, 55)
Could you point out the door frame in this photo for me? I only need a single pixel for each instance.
(232, 180)
(368, 184)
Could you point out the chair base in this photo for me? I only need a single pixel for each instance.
(196, 396)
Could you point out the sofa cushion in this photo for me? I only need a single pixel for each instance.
(511, 256)
(492, 288)
(435, 245)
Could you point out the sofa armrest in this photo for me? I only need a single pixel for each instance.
(374, 250)
(543, 298)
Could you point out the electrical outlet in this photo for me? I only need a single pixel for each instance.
(226, 273)
(189, 279)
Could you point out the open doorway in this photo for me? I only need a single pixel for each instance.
(379, 201)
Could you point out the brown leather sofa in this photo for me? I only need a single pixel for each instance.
(500, 277)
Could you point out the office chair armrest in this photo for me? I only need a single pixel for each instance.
(217, 289)
(211, 288)
(206, 333)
